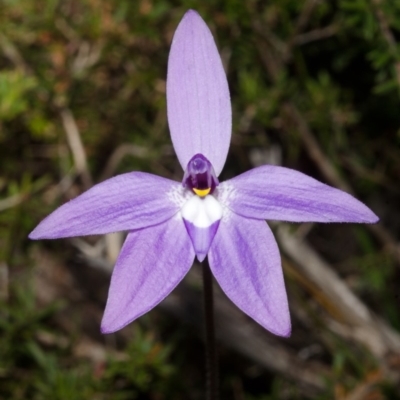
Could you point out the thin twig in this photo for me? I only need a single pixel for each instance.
(119, 153)
(4, 281)
(68, 120)
(301, 23)
(305, 16)
(314, 35)
(12, 53)
(113, 244)
(293, 115)
(367, 389)
(75, 143)
(12, 201)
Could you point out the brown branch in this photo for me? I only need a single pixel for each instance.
(305, 16)
(68, 120)
(119, 153)
(4, 281)
(352, 318)
(314, 35)
(12, 201)
(384, 26)
(13, 54)
(76, 146)
(300, 24)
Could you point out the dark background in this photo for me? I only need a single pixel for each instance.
(315, 86)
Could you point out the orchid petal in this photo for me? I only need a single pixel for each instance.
(201, 217)
(126, 202)
(245, 260)
(201, 238)
(151, 264)
(278, 193)
(198, 101)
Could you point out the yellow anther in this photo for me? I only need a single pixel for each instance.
(202, 192)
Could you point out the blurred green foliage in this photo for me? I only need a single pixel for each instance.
(106, 62)
(37, 363)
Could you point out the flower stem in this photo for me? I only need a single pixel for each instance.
(211, 350)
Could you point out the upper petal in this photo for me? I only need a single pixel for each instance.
(198, 101)
(151, 263)
(278, 193)
(125, 202)
(245, 260)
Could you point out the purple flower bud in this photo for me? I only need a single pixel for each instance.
(200, 176)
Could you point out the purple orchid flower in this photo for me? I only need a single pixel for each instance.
(170, 223)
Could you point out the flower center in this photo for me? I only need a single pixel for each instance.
(200, 176)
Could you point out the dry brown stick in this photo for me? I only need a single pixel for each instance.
(12, 201)
(285, 49)
(384, 25)
(119, 153)
(16, 199)
(293, 115)
(76, 146)
(4, 281)
(376, 176)
(301, 23)
(356, 320)
(305, 16)
(12, 53)
(314, 35)
(67, 118)
(367, 389)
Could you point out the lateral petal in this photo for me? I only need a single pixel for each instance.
(126, 202)
(283, 194)
(151, 264)
(198, 101)
(245, 260)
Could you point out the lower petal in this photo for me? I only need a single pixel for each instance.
(151, 264)
(245, 260)
(201, 217)
(201, 238)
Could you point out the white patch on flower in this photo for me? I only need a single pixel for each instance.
(224, 193)
(179, 195)
(202, 212)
